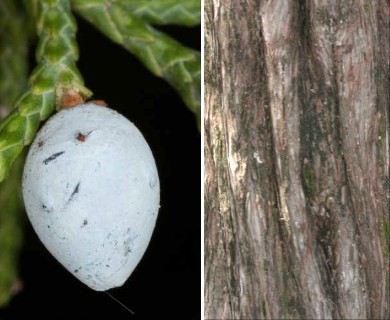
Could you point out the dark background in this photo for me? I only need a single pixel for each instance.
(166, 283)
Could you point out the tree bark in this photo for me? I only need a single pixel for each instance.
(296, 159)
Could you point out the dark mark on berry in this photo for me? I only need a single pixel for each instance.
(85, 222)
(82, 137)
(72, 196)
(44, 207)
(76, 190)
(52, 157)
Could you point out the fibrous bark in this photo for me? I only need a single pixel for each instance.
(296, 159)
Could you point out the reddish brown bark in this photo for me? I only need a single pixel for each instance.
(296, 159)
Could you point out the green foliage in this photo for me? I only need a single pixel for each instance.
(13, 52)
(13, 80)
(55, 73)
(11, 229)
(162, 12)
(163, 56)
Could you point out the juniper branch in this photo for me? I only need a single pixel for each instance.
(164, 12)
(56, 72)
(161, 54)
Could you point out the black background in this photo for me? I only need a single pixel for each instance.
(166, 283)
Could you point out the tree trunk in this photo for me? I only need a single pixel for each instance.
(297, 159)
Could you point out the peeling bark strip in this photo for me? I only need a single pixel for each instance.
(296, 159)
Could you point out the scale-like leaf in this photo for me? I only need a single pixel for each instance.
(55, 73)
(162, 55)
(164, 12)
